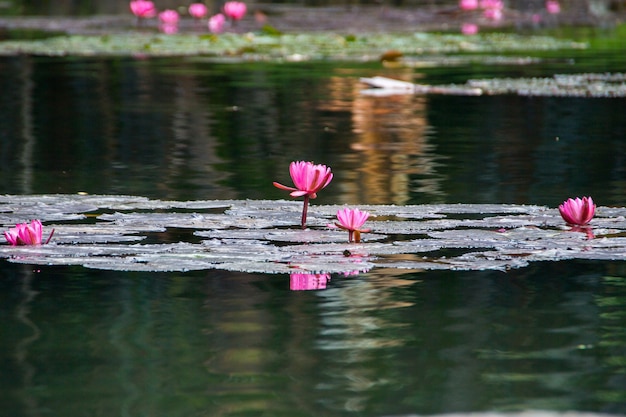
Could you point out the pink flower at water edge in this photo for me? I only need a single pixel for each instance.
(143, 9)
(309, 179)
(352, 220)
(577, 212)
(169, 17)
(216, 23)
(493, 14)
(304, 282)
(198, 10)
(469, 29)
(468, 4)
(553, 7)
(26, 234)
(235, 10)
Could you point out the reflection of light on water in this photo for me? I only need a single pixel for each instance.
(21, 350)
(612, 306)
(349, 314)
(353, 328)
(392, 149)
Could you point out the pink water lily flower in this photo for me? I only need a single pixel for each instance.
(468, 4)
(352, 220)
(26, 234)
(216, 23)
(309, 179)
(553, 7)
(235, 10)
(169, 17)
(198, 10)
(143, 9)
(577, 212)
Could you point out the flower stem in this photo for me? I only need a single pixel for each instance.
(304, 211)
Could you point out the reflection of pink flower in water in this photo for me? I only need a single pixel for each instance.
(553, 7)
(26, 234)
(235, 10)
(300, 282)
(308, 179)
(468, 4)
(216, 23)
(577, 212)
(143, 9)
(352, 220)
(197, 10)
(469, 29)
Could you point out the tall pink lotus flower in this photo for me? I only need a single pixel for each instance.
(216, 23)
(143, 9)
(26, 234)
(553, 7)
(468, 4)
(235, 10)
(577, 212)
(309, 179)
(198, 10)
(352, 220)
(300, 282)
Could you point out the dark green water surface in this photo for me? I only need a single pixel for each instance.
(82, 342)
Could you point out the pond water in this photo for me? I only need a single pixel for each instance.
(79, 341)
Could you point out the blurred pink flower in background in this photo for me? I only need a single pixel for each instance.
(493, 14)
(352, 220)
(143, 9)
(308, 179)
(235, 10)
(169, 17)
(216, 23)
(577, 212)
(26, 234)
(198, 10)
(300, 282)
(468, 4)
(469, 29)
(553, 7)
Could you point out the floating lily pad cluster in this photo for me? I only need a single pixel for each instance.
(606, 85)
(259, 46)
(135, 233)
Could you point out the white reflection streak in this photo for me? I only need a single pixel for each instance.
(27, 127)
(21, 350)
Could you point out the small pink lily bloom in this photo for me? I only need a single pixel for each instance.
(198, 10)
(468, 4)
(577, 212)
(469, 29)
(553, 7)
(493, 14)
(352, 220)
(143, 9)
(26, 234)
(169, 17)
(216, 23)
(308, 179)
(235, 10)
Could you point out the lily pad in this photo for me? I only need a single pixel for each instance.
(102, 231)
